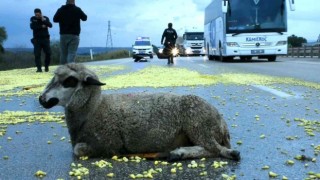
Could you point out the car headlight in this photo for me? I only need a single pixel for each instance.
(174, 51)
(281, 43)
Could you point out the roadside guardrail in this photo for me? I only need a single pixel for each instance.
(313, 52)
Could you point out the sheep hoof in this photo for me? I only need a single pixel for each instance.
(81, 149)
(235, 155)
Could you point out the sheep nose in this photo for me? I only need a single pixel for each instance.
(42, 99)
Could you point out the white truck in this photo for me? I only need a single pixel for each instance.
(246, 29)
(192, 44)
(142, 48)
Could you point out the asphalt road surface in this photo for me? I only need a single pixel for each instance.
(276, 128)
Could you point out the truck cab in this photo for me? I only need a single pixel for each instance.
(192, 44)
(142, 48)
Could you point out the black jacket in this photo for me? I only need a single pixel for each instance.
(170, 34)
(38, 30)
(68, 17)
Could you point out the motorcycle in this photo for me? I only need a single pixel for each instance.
(168, 52)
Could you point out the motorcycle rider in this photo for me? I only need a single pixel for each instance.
(170, 36)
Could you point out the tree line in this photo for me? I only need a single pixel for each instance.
(23, 59)
(3, 37)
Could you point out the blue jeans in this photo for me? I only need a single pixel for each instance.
(68, 48)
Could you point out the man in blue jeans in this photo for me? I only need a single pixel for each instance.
(68, 17)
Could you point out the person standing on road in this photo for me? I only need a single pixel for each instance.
(170, 36)
(41, 39)
(68, 16)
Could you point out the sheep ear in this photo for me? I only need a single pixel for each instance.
(91, 81)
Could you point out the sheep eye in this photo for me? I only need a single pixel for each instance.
(70, 82)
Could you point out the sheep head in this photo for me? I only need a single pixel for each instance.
(68, 81)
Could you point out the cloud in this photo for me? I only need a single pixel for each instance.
(147, 19)
(130, 18)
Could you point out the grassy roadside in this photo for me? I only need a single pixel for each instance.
(21, 60)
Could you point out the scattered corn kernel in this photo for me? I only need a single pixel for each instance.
(40, 174)
(272, 174)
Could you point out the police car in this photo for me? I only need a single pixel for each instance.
(142, 48)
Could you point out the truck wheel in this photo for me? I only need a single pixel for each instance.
(245, 58)
(221, 58)
(136, 59)
(220, 52)
(210, 57)
(272, 58)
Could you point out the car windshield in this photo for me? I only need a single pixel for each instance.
(142, 43)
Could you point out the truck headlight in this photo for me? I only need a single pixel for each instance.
(188, 50)
(281, 43)
(232, 44)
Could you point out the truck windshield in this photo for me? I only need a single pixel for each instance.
(142, 43)
(194, 36)
(256, 16)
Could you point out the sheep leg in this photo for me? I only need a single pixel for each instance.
(191, 152)
(211, 145)
(194, 152)
(149, 155)
(217, 150)
(82, 149)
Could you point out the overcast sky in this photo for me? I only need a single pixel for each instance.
(132, 18)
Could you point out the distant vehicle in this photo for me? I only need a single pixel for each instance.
(142, 48)
(174, 51)
(165, 53)
(246, 28)
(192, 44)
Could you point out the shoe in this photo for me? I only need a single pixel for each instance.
(39, 70)
(46, 69)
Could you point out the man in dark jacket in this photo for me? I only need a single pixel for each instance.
(41, 38)
(68, 17)
(170, 36)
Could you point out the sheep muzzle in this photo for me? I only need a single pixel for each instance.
(48, 104)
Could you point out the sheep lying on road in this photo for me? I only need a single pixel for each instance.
(171, 126)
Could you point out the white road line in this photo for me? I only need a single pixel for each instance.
(275, 92)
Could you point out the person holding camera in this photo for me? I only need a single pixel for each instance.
(41, 38)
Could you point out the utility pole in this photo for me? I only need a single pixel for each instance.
(109, 44)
